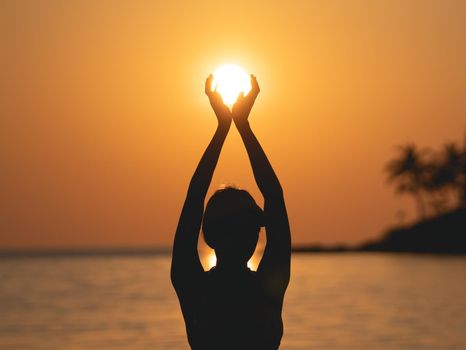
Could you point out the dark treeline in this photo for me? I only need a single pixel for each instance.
(436, 179)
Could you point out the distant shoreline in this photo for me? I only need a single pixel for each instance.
(330, 250)
(443, 234)
(82, 252)
(105, 253)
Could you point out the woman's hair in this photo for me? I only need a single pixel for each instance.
(232, 220)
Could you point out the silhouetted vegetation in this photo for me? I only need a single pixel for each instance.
(435, 179)
(445, 233)
(437, 182)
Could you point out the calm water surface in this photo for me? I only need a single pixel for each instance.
(334, 301)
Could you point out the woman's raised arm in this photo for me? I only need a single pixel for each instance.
(186, 266)
(275, 264)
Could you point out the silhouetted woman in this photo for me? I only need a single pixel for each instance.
(230, 306)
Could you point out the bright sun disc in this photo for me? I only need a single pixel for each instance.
(230, 80)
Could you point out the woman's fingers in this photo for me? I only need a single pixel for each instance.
(240, 97)
(208, 85)
(254, 85)
(216, 97)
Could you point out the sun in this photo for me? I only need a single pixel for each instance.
(230, 80)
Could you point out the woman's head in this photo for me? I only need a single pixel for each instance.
(231, 224)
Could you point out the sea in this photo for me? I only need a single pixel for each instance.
(334, 301)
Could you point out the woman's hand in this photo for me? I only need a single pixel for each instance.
(221, 110)
(243, 104)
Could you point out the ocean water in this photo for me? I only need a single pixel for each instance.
(334, 301)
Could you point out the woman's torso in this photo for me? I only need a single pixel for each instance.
(233, 311)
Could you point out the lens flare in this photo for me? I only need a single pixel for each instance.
(230, 80)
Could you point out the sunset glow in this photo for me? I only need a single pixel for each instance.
(230, 80)
(103, 112)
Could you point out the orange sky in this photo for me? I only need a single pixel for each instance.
(103, 117)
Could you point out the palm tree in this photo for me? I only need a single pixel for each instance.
(449, 174)
(441, 177)
(409, 172)
(452, 163)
